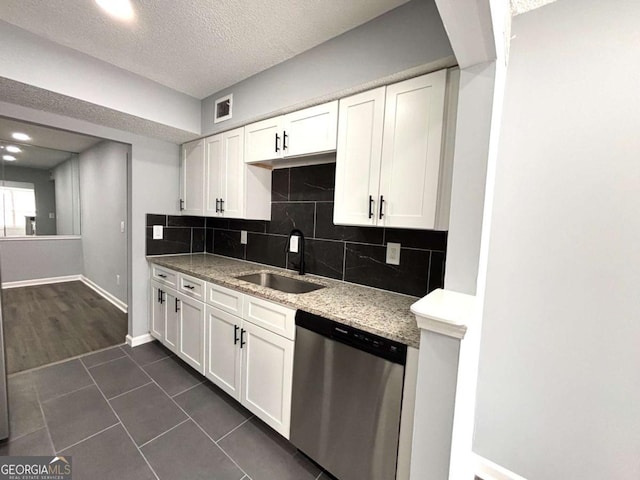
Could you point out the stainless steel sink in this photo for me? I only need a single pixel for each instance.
(280, 282)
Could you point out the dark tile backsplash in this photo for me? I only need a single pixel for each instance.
(302, 198)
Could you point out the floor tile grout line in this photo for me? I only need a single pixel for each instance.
(129, 391)
(44, 418)
(66, 394)
(201, 429)
(187, 389)
(234, 429)
(87, 438)
(105, 362)
(123, 425)
(165, 432)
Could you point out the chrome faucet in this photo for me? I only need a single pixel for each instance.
(299, 233)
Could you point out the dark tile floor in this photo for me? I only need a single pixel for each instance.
(140, 413)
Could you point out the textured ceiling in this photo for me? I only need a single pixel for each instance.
(523, 6)
(197, 47)
(40, 99)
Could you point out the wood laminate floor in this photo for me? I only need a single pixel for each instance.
(49, 323)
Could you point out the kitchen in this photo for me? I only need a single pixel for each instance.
(153, 168)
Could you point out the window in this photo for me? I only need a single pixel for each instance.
(19, 202)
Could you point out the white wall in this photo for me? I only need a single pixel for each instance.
(152, 186)
(408, 36)
(28, 259)
(558, 384)
(103, 193)
(66, 71)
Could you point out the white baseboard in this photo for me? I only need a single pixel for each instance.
(139, 340)
(106, 295)
(487, 470)
(41, 281)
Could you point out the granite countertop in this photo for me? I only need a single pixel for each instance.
(375, 311)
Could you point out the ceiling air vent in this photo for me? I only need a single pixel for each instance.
(223, 108)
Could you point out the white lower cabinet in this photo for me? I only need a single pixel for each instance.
(163, 323)
(157, 311)
(223, 348)
(191, 339)
(267, 374)
(241, 343)
(253, 365)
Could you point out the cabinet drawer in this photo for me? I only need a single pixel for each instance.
(273, 317)
(163, 275)
(225, 299)
(191, 286)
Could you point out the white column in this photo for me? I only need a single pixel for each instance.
(442, 316)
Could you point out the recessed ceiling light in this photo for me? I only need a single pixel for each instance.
(13, 149)
(120, 9)
(21, 136)
(9, 158)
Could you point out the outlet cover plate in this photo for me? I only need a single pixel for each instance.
(157, 232)
(393, 253)
(243, 237)
(293, 244)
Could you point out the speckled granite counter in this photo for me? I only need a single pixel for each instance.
(383, 313)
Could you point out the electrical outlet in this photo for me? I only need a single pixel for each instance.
(157, 232)
(393, 253)
(52, 215)
(293, 244)
(122, 226)
(243, 237)
(117, 279)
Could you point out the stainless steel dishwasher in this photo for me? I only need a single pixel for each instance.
(347, 397)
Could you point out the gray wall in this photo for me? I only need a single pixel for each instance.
(67, 188)
(103, 193)
(559, 382)
(152, 184)
(28, 259)
(45, 194)
(408, 36)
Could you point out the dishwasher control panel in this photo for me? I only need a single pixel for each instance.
(376, 345)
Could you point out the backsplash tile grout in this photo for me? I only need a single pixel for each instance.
(352, 254)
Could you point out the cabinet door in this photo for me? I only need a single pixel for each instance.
(192, 178)
(411, 151)
(358, 158)
(263, 140)
(267, 372)
(191, 335)
(157, 311)
(312, 130)
(223, 351)
(233, 174)
(213, 175)
(172, 330)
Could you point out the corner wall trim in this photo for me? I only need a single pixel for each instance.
(487, 470)
(106, 295)
(139, 340)
(41, 281)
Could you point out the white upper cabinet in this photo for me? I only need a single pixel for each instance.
(358, 158)
(310, 131)
(411, 152)
(263, 140)
(389, 154)
(233, 189)
(192, 181)
(305, 132)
